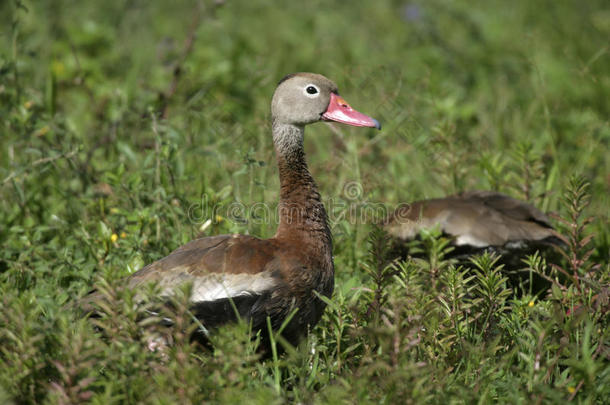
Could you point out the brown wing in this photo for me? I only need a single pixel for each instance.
(508, 206)
(227, 262)
(219, 267)
(477, 219)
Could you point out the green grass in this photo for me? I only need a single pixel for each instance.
(112, 124)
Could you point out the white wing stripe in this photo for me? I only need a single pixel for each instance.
(219, 286)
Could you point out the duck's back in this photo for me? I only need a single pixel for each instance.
(478, 219)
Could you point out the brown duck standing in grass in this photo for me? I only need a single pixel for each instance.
(268, 277)
(476, 221)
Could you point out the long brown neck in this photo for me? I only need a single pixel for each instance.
(301, 212)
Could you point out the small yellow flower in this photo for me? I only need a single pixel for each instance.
(114, 237)
(530, 304)
(42, 131)
(571, 389)
(123, 235)
(114, 210)
(28, 104)
(219, 218)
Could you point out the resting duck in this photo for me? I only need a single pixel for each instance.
(269, 277)
(476, 221)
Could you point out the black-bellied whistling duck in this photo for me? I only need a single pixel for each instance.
(476, 221)
(269, 277)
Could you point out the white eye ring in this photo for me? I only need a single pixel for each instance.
(311, 91)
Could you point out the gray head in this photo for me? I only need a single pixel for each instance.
(305, 98)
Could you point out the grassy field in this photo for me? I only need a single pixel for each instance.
(127, 128)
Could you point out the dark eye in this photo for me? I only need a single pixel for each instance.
(311, 90)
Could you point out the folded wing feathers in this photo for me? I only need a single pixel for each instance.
(477, 219)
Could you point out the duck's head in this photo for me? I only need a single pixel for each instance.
(305, 98)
